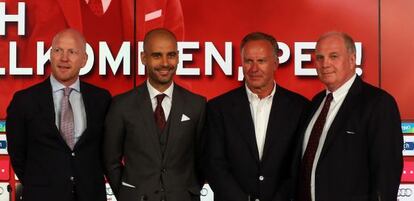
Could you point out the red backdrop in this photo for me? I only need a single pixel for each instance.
(385, 30)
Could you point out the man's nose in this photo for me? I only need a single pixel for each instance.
(164, 61)
(64, 56)
(254, 67)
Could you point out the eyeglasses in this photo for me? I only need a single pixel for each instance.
(70, 52)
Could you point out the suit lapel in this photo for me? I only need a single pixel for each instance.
(316, 102)
(342, 116)
(177, 109)
(243, 120)
(88, 103)
(72, 12)
(45, 101)
(143, 109)
(275, 124)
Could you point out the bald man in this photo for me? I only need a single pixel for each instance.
(152, 140)
(54, 129)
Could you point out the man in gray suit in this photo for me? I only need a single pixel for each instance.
(152, 140)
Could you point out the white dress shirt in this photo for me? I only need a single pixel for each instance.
(166, 102)
(260, 110)
(338, 98)
(76, 101)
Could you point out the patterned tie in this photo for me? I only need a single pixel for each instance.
(96, 7)
(67, 124)
(304, 191)
(159, 112)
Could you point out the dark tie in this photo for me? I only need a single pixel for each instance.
(159, 112)
(67, 125)
(304, 191)
(96, 7)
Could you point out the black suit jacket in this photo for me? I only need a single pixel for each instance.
(234, 170)
(48, 169)
(135, 164)
(361, 158)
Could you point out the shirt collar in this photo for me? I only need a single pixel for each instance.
(153, 91)
(252, 96)
(56, 85)
(343, 90)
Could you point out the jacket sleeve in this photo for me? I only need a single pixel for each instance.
(217, 169)
(113, 145)
(201, 144)
(17, 135)
(385, 149)
(288, 187)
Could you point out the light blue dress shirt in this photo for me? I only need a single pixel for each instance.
(76, 102)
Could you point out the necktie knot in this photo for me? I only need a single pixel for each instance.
(160, 97)
(159, 112)
(329, 98)
(67, 91)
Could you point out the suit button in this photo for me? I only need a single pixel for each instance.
(73, 154)
(261, 178)
(163, 170)
(162, 189)
(72, 178)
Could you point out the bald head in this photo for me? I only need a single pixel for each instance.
(348, 41)
(159, 33)
(160, 57)
(67, 56)
(74, 34)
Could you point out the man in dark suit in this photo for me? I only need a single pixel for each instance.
(252, 129)
(54, 129)
(152, 141)
(352, 143)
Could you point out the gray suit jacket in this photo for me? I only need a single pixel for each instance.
(135, 165)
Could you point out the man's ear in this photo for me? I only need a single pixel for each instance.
(85, 59)
(276, 62)
(143, 58)
(352, 59)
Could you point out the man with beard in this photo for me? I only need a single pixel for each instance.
(152, 140)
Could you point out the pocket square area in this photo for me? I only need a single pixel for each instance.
(185, 118)
(128, 185)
